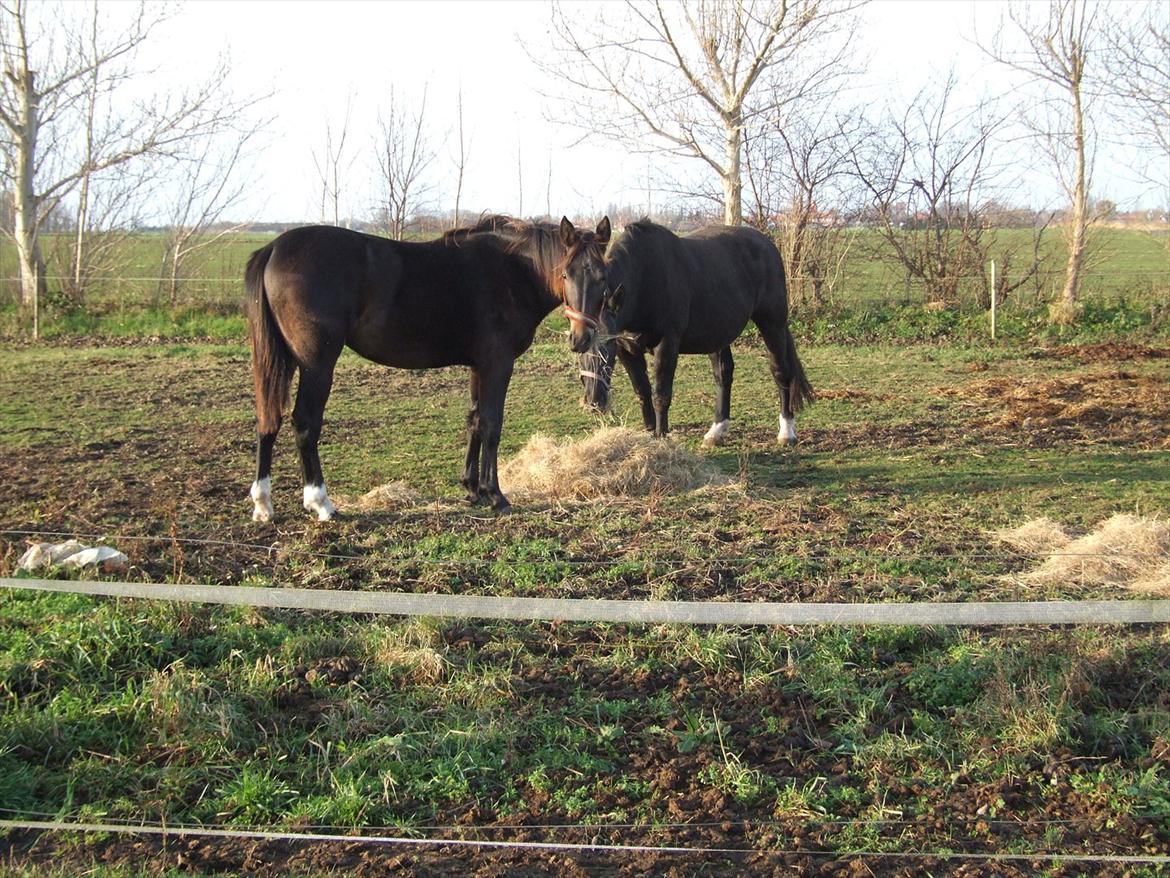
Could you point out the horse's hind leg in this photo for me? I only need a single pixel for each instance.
(777, 340)
(308, 415)
(723, 368)
(261, 492)
(470, 480)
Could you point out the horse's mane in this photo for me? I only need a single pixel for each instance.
(635, 231)
(540, 243)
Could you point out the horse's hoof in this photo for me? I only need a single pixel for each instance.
(504, 508)
(715, 435)
(787, 434)
(261, 494)
(317, 500)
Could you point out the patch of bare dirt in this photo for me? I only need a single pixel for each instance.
(1105, 352)
(1113, 406)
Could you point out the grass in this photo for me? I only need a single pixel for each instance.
(233, 716)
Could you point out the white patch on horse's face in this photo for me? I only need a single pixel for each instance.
(317, 500)
(261, 494)
(715, 435)
(787, 434)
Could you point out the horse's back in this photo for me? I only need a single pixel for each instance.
(402, 304)
(723, 276)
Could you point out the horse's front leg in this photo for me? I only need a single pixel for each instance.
(634, 363)
(493, 391)
(665, 362)
(470, 480)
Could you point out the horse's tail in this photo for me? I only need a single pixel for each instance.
(799, 390)
(272, 361)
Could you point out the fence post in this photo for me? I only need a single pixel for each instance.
(993, 298)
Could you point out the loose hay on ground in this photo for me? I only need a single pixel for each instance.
(613, 461)
(383, 498)
(1038, 536)
(1125, 551)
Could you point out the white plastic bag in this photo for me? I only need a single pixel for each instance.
(71, 553)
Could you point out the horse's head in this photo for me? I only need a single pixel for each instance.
(595, 366)
(582, 281)
(596, 363)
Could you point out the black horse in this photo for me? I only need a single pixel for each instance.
(471, 298)
(691, 295)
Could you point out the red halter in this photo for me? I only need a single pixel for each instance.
(580, 316)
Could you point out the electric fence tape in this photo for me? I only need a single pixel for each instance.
(1126, 612)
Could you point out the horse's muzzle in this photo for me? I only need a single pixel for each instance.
(581, 340)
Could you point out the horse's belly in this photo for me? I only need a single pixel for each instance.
(403, 350)
(715, 338)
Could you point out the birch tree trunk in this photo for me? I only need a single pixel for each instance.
(732, 179)
(28, 249)
(1080, 208)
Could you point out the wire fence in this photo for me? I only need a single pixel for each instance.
(408, 841)
(877, 287)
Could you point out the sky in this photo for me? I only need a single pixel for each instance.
(315, 57)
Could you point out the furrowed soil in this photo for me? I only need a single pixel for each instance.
(837, 752)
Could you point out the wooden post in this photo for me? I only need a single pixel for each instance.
(993, 298)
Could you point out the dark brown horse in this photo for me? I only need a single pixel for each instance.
(691, 295)
(472, 298)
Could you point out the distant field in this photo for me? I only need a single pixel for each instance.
(1127, 263)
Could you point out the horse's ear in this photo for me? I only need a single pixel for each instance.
(568, 233)
(614, 300)
(603, 230)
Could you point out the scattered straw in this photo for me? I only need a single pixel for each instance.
(1036, 537)
(384, 498)
(1125, 551)
(613, 461)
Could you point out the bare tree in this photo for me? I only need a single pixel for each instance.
(1058, 54)
(1135, 79)
(462, 153)
(800, 175)
(929, 180)
(57, 76)
(688, 73)
(210, 185)
(404, 154)
(114, 204)
(519, 178)
(332, 165)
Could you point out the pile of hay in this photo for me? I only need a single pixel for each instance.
(1125, 551)
(384, 498)
(613, 461)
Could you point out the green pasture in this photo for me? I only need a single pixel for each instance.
(882, 739)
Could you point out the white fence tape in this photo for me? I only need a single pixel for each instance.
(628, 611)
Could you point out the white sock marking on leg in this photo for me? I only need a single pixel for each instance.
(317, 500)
(715, 435)
(787, 434)
(261, 494)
